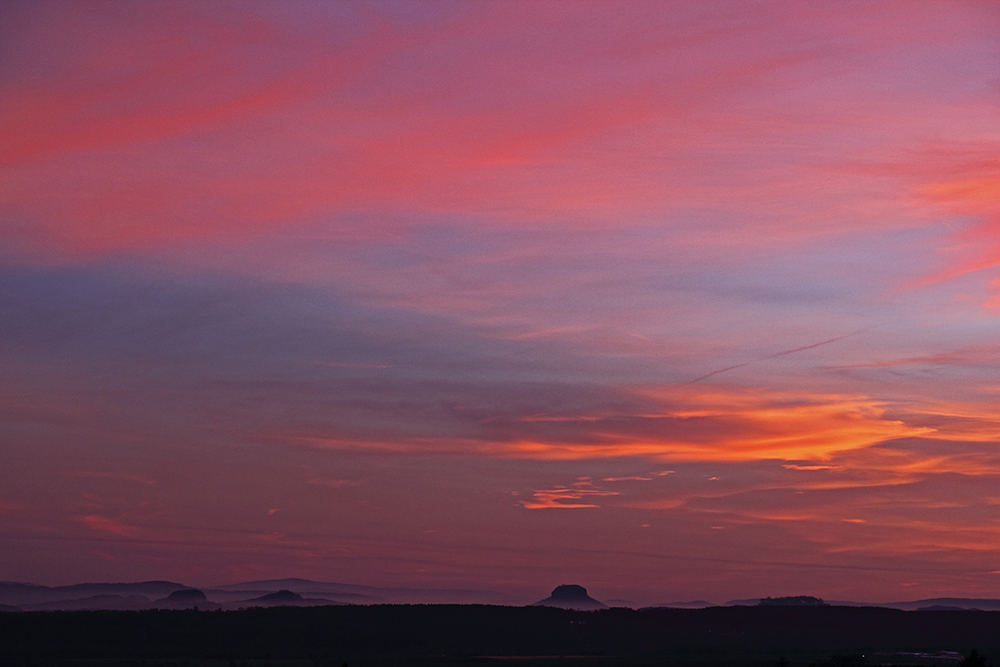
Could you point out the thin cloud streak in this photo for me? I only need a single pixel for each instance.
(776, 355)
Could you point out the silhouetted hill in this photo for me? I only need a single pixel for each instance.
(792, 601)
(234, 595)
(617, 602)
(693, 604)
(943, 607)
(281, 597)
(187, 598)
(34, 596)
(186, 595)
(94, 602)
(300, 586)
(357, 594)
(960, 603)
(20, 594)
(286, 598)
(751, 602)
(571, 596)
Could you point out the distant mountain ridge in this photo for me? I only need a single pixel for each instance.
(157, 594)
(985, 604)
(173, 595)
(94, 602)
(942, 604)
(793, 601)
(16, 593)
(358, 594)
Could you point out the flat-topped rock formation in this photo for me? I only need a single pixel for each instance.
(571, 596)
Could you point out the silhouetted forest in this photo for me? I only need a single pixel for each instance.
(474, 634)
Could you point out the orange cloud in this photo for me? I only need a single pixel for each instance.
(718, 424)
(565, 498)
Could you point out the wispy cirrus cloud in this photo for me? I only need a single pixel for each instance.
(651, 139)
(9, 507)
(108, 525)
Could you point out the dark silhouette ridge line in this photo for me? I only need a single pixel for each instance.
(451, 634)
(159, 593)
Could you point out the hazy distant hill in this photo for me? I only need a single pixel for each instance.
(793, 601)
(356, 594)
(286, 598)
(157, 594)
(957, 603)
(19, 594)
(940, 603)
(160, 594)
(187, 598)
(618, 602)
(94, 602)
(335, 593)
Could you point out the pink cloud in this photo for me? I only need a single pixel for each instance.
(107, 525)
(968, 184)
(360, 136)
(10, 508)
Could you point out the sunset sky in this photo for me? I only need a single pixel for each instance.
(673, 300)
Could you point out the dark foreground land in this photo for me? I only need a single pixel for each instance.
(459, 635)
